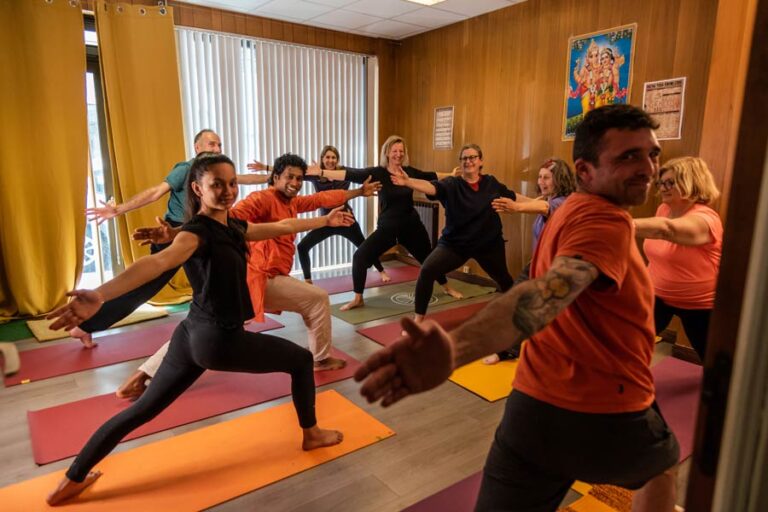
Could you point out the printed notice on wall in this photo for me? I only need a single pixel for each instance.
(443, 128)
(664, 101)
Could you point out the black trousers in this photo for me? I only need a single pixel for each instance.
(116, 309)
(352, 233)
(695, 323)
(410, 234)
(197, 346)
(442, 259)
(539, 450)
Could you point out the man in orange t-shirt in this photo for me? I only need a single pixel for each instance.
(270, 261)
(583, 405)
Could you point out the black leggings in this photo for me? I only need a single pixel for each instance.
(444, 259)
(197, 346)
(695, 323)
(114, 310)
(352, 233)
(410, 234)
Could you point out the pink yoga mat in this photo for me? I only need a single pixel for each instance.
(344, 283)
(678, 386)
(65, 358)
(385, 334)
(60, 432)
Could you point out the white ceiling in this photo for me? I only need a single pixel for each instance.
(390, 19)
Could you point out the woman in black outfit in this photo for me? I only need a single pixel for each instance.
(212, 247)
(399, 223)
(329, 161)
(472, 227)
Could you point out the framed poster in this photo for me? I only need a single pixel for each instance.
(443, 136)
(599, 72)
(664, 100)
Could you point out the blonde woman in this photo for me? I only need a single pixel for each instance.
(683, 243)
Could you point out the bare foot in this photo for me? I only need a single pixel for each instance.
(134, 386)
(384, 276)
(357, 302)
(492, 359)
(68, 489)
(85, 337)
(316, 437)
(456, 294)
(330, 363)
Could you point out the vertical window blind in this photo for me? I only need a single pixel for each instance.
(266, 98)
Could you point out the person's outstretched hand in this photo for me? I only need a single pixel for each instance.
(338, 217)
(102, 213)
(418, 362)
(370, 187)
(82, 305)
(163, 233)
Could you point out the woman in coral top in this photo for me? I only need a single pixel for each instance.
(683, 246)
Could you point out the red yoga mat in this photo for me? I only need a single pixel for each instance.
(344, 283)
(385, 334)
(60, 432)
(65, 358)
(678, 386)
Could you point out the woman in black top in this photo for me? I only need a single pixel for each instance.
(212, 247)
(472, 227)
(399, 223)
(329, 161)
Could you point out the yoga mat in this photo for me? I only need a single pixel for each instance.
(41, 330)
(678, 388)
(71, 357)
(342, 284)
(491, 382)
(178, 308)
(15, 330)
(203, 468)
(60, 432)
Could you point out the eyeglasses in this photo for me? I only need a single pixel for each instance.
(665, 184)
(469, 158)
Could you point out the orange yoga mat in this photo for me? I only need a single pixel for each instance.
(209, 466)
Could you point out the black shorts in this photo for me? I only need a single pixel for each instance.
(539, 451)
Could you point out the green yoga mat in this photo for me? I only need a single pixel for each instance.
(177, 308)
(398, 299)
(15, 330)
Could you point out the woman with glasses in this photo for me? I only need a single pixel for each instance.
(683, 243)
(329, 161)
(472, 227)
(555, 183)
(399, 223)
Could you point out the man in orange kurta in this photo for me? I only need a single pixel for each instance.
(270, 262)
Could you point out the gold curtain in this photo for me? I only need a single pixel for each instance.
(137, 49)
(43, 153)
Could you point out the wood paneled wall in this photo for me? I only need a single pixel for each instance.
(505, 73)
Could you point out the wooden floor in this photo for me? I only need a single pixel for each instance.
(442, 436)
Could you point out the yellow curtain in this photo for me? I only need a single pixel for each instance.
(43, 153)
(137, 49)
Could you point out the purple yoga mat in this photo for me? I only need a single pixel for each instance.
(678, 386)
(344, 283)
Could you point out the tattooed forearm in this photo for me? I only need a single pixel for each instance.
(524, 310)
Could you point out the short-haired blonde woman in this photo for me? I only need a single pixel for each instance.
(683, 246)
(399, 223)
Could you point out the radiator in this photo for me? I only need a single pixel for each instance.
(429, 213)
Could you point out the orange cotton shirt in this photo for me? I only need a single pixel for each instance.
(685, 276)
(270, 258)
(595, 356)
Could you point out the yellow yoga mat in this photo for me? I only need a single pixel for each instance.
(492, 382)
(41, 331)
(206, 467)
(601, 498)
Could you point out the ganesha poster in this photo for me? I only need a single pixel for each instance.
(599, 72)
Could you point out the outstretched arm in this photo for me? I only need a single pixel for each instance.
(686, 230)
(268, 230)
(336, 175)
(423, 186)
(521, 204)
(85, 303)
(108, 211)
(426, 357)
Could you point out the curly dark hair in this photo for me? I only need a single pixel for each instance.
(286, 160)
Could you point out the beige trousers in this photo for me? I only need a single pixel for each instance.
(284, 293)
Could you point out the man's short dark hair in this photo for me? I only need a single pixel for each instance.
(201, 133)
(589, 134)
(286, 160)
